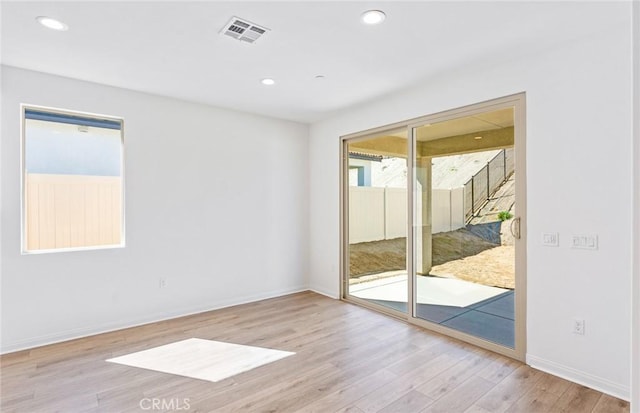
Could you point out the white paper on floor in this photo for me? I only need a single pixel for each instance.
(431, 290)
(202, 359)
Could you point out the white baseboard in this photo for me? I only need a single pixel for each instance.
(324, 292)
(81, 332)
(597, 383)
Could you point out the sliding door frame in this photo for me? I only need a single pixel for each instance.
(518, 103)
(344, 217)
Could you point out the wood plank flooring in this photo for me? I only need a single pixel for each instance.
(348, 359)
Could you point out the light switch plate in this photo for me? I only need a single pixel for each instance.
(584, 241)
(550, 239)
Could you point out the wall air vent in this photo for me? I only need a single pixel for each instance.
(243, 30)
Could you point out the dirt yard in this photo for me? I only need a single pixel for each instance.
(493, 267)
(456, 254)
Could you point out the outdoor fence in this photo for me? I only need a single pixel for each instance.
(381, 213)
(65, 211)
(485, 182)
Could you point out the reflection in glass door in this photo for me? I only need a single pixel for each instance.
(464, 199)
(376, 221)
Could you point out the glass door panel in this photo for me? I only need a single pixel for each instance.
(376, 219)
(464, 200)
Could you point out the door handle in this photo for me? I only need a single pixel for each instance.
(515, 228)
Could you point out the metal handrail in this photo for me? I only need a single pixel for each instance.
(477, 204)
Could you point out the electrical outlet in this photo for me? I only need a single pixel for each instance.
(578, 326)
(162, 282)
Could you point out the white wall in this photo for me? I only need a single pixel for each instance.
(233, 229)
(635, 287)
(579, 168)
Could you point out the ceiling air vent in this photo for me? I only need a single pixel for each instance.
(243, 30)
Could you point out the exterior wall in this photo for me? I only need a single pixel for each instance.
(364, 168)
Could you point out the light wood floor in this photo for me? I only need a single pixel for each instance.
(349, 359)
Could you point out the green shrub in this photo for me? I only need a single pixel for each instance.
(504, 215)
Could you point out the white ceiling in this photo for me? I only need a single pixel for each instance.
(174, 48)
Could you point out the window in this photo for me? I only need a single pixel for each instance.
(72, 180)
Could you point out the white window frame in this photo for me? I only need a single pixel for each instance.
(23, 219)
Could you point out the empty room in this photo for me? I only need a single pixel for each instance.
(320, 206)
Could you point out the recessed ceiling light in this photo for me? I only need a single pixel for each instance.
(477, 138)
(373, 17)
(52, 24)
(268, 81)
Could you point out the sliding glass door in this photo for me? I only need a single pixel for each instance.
(465, 225)
(375, 182)
(432, 222)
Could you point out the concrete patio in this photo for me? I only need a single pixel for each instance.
(485, 312)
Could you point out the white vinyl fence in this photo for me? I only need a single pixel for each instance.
(381, 213)
(67, 211)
